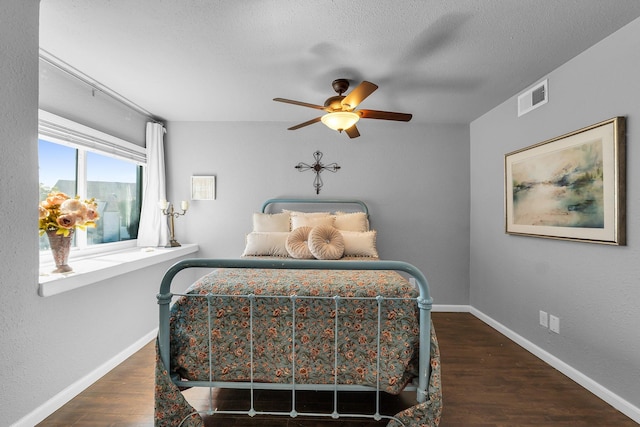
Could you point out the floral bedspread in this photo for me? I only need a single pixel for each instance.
(277, 317)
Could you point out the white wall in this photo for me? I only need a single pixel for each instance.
(414, 178)
(594, 289)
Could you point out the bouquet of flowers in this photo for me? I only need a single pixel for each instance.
(61, 213)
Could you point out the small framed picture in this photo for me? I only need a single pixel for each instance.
(203, 187)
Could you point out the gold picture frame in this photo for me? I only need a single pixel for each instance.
(571, 187)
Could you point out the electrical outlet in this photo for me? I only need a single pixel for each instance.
(544, 319)
(554, 324)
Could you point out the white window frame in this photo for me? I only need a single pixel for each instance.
(96, 263)
(66, 132)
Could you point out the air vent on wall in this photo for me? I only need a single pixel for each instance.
(533, 97)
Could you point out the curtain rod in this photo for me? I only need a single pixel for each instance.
(77, 74)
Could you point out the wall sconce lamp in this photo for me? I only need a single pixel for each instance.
(167, 209)
(340, 120)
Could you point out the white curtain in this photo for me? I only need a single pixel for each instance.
(153, 229)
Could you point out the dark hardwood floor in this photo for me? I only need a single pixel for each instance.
(488, 381)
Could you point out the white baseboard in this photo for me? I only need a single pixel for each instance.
(603, 393)
(446, 308)
(57, 401)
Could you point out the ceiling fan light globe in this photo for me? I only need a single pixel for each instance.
(340, 120)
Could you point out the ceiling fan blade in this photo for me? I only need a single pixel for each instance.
(384, 115)
(352, 132)
(307, 123)
(302, 104)
(357, 95)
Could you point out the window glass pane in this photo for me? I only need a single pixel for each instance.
(114, 183)
(57, 168)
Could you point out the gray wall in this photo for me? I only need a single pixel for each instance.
(20, 319)
(594, 289)
(67, 96)
(47, 344)
(414, 178)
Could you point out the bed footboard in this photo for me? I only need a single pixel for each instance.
(424, 303)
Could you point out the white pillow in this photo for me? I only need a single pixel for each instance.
(304, 220)
(272, 243)
(360, 243)
(271, 222)
(351, 221)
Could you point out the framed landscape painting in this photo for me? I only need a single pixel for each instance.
(570, 187)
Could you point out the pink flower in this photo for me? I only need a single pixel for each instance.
(66, 221)
(91, 214)
(72, 205)
(42, 212)
(54, 199)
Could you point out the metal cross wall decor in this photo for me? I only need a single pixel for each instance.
(317, 167)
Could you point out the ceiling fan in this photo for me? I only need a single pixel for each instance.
(341, 109)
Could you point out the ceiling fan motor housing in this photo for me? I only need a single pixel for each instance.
(334, 103)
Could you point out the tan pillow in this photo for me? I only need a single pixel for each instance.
(311, 220)
(326, 242)
(360, 244)
(297, 243)
(271, 243)
(351, 221)
(271, 222)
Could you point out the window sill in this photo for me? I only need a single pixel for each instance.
(94, 269)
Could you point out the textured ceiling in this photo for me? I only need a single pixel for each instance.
(446, 61)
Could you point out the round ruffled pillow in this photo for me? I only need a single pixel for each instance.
(297, 245)
(326, 242)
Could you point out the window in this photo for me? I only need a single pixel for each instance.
(81, 161)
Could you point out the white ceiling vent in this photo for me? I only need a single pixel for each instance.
(533, 97)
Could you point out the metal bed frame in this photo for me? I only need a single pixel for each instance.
(424, 303)
(363, 206)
